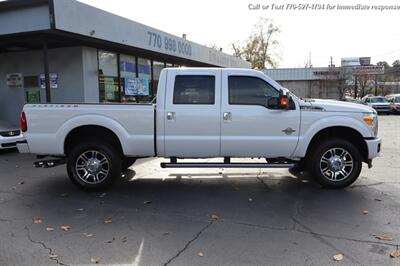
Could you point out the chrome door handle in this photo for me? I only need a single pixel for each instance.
(227, 116)
(170, 116)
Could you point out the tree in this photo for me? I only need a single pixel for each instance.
(214, 46)
(258, 48)
(383, 63)
(396, 63)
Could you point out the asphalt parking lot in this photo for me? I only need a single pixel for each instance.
(201, 217)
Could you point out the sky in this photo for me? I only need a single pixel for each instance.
(321, 33)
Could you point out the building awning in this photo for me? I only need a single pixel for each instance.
(68, 22)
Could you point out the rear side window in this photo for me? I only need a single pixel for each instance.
(250, 91)
(194, 90)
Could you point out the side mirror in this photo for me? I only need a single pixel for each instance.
(281, 102)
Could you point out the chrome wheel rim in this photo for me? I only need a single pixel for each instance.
(336, 164)
(92, 167)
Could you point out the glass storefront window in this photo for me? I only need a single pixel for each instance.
(157, 67)
(108, 77)
(144, 72)
(136, 81)
(127, 68)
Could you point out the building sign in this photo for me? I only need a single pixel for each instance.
(33, 96)
(15, 80)
(369, 70)
(356, 61)
(53, 80)
(109, 89)
(136, 87)
(327, 74)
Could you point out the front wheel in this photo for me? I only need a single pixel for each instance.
(93, 165)
(335, 163)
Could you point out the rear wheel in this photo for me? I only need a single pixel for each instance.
(94, 165)
(335, 163)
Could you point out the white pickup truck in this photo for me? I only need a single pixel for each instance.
(205, 113)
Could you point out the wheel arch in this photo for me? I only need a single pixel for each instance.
(341, 132)
(91, 132)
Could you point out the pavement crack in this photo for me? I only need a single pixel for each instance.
(347, 238)
(189, 243)
(367, 185)
(257, 225)
(322, 239)
(50, 250)
(263, 182)
(296, 211)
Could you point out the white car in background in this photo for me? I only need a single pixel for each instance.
(9, 135)
(379, 103)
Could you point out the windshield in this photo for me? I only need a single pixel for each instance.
(378, 100)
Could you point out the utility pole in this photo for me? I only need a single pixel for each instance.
(355, 87)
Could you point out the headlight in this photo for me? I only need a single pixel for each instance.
(371, 120)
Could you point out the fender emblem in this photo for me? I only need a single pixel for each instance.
(289, 131)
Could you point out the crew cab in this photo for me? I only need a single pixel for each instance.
(205, 113)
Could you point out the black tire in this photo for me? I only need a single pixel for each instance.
(107, 163)
(127, 162)
(350, 164)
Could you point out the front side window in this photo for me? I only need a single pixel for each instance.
(250, 91)
(194, 90)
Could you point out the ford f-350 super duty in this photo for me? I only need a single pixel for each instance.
(205, 113)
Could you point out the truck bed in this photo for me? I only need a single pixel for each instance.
(49, 124)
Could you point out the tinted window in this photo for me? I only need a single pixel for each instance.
(250, 91)
(194, 90)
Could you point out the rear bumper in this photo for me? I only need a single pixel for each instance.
(374, 147)
(23, 146)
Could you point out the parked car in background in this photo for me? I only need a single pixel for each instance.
(394, 100)
(379, 103)
(9, 135)
(352, 100)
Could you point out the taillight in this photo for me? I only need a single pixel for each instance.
(24, 125)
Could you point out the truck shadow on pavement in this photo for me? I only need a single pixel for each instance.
(151, 221)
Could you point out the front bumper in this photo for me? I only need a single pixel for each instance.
(374, 147)
(10, 142)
